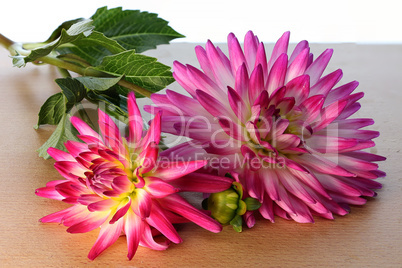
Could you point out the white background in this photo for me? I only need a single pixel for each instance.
(361, 21)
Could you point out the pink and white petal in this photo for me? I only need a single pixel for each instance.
(107, 236)
(133, 228)
(83, 128)
(142, 204)
(153, 133)
(158, 188)
(242, 82)
(277, 74)
(267, 209)
(250, 49)
(147, 240)
(159, 221)
(169, 171)
(214, 106)
(220, 66)
(326, 83)
(300, 47)
(135, 122)
(202, 182)
(232, 129)
(298, 66)
(103, 205)
(59, 155)
(57, 216)
(256, 84)
(281, 47)
(236, 55)
(121, 211)
(294, 186)
(341, 92)
(316, 69)
(298, 88)
(239, 107)
(93, 221)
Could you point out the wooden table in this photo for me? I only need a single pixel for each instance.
(370, 235)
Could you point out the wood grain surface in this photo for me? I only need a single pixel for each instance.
(370, 236)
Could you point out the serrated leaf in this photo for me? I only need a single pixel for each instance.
(64, 132)
(73, 90)
(92, 48)
(138, 69)
(134, 29)
(65, 25)
(98, 83)
(52, 110)
(77, 31)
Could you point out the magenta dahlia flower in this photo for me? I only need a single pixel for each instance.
(122, 186)
(279, 123)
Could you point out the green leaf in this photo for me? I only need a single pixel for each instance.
(77, 31)
(138, 69)
(64, 132)
(115, 106)
(52, 110)
(237, 223)
(98, 83)
(252, 203)
(65, 25)
(73, 90)
(133, 29)
(92, 48)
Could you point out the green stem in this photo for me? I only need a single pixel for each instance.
(84, 71)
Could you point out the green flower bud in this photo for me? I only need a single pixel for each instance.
(223, 205)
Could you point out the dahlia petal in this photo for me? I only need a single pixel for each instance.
(135, 121)
(335, 185)
(159, 221)
(204, 83)
(133, 228)
(303, 214)
(286, 140)
(298, 66)
(142, 204)
(322, 164)
(179, 205)
(107, 236)
(352, 200)
(172, 170)
(281, 47)
(86, 199)
(355, 123)
(267, 209)
(328, 144)
(158, 188)
(316, 69)
(300, 47)
(95, 220)
(236, 55)
(239, 107)
(188, 105)
(284, 198)
(326, 83)
(242, 81)
(180, 75)
(120, 212)
(147, 240)
(311, 107)
(298, 88)
(261, 59)
(153, 133)
(292, 184)
(205, 64)
(329, 114)
(103, 205)
(83, 128)
(212, 105)
(148, 157)
(250, 49)
(220, 67)
(68, 167)
(200, 182)
(277, 74)
(110, 131)
(57, 216)
(366, 156)
(341, 92)
(270, 181)
(49, 191)
(256, 84)
(254, 185)
(232, 129)
(59, 155)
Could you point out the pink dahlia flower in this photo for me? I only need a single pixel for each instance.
(279, 123)
(122, 186)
